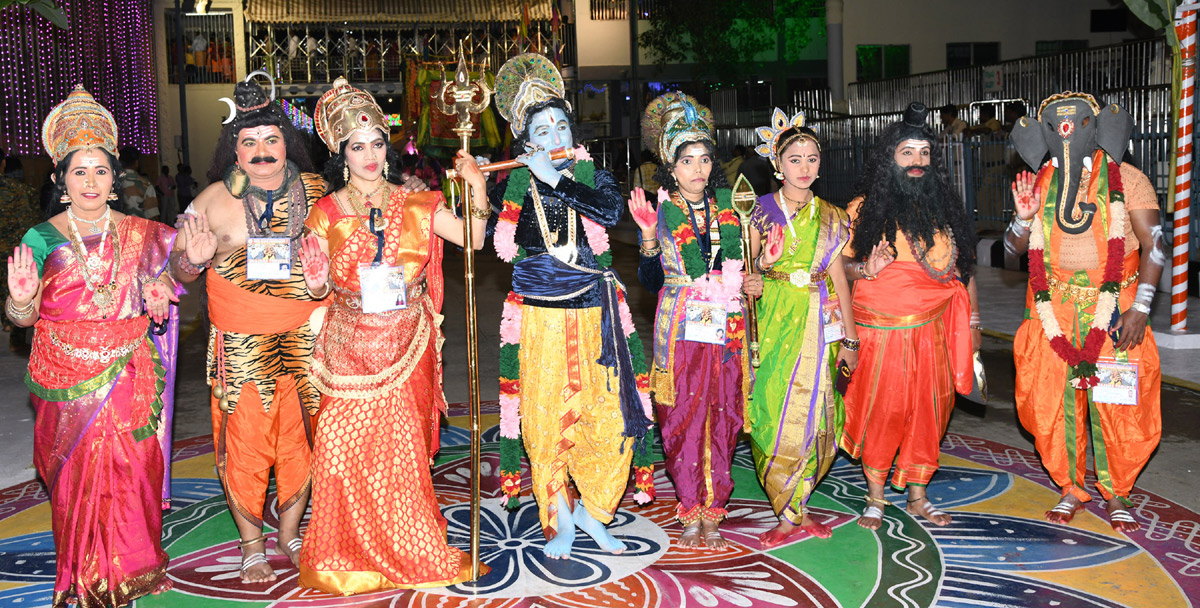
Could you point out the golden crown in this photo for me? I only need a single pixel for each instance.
(78, 123)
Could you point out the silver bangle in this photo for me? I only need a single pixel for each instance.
(18, 313)
(1026, 224)
(1142, 308)
(1145, 294)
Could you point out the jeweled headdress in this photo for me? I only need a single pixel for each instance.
(771, 146)
(671, 120)
(343, 110)
(1069, 96)
(523, 82)
(78, 123)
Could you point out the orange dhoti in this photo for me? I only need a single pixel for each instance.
(915, 353)
(260, 351)
(1061, 417)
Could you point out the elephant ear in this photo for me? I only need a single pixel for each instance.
(1114, 127)
(1029, 138)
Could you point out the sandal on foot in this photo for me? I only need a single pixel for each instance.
(929, 511)
(1067, 508)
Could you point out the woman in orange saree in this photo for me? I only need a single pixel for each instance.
(100, 380)
(376, 250)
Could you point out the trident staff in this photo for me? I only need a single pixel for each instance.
(464, 106)
(744, 200)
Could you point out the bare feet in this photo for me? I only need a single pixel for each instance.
(872, 516)
(559, 547)
(1119, 516)
(255, 568)
(815, 528)
(778, 535)
(1065, 510)
(690, 539)
(921, 505)
(598, 531)
(712, 535)
(289, 547)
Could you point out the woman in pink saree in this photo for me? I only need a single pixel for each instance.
(100, 374)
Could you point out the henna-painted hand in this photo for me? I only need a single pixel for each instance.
(774, 249)
(643, 213)
(1026, 196)
(201, 241)
(752, 285)
(23, 280)
(314, 262)
(881, 256)
(157, 297)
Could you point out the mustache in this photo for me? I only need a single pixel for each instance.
(263, 160)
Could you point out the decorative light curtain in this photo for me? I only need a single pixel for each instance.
(108, 50)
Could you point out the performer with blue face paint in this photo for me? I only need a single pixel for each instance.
(573, 374)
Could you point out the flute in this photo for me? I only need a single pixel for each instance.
(505, 165)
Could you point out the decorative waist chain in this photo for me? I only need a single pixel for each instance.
(799, 278)
(1081, 294)
(103, 355)
(352, 300)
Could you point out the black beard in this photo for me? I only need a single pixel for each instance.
(264, 160)
(917, 205)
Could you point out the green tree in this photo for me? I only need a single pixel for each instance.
(46, 8)
(722, 38)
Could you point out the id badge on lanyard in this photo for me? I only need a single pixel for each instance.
(268, 258)
(704, 321)
(383, 287)
(831, 320)
(1118, 380)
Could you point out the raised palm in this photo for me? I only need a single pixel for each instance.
(22, 275)
(201, 243)
(314, 262)
(643, 212)
(1025, 195)
(774, 249)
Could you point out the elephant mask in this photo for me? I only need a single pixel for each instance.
(1070, 126)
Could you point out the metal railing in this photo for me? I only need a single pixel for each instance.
(317, 53)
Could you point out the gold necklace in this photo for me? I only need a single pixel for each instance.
(794, 246)
(362, 209)
(567, 252)
(103, 295)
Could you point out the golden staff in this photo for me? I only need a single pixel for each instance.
(464, 92)
(744, 200)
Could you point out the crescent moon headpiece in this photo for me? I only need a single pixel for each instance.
(249, 96)
(78, 123)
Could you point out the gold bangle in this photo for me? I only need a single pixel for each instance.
(650, 253)
(480, 215)
(18, 313)
(324, 293)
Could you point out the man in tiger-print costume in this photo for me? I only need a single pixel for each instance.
(260, 347)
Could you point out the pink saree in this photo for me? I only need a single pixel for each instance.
(101, 384)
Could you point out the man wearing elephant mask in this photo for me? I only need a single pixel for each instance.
(1083, 219)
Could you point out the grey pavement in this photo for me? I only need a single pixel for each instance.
(1174, 471)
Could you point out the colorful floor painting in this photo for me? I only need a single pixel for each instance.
(998, 551)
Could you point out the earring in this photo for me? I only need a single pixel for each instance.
(65, 199)
(779, 176)
(346, 174)
(385, 169)
(112, 196)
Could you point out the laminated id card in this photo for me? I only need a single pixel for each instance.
(383, 288)
(268, 258)
(704, 321)
(831, 320)
(1118, 382)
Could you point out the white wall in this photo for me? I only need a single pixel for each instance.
(205, 112)
(928, 25)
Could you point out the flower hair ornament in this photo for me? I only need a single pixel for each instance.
(771, 146)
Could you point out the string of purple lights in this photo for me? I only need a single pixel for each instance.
(108, 50)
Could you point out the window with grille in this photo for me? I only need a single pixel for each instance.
(878, 61)
(207, 47)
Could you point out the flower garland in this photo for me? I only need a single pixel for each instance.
(1082, 361)
(510, 339)
(727, 287)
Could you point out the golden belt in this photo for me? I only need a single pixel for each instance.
(799, 278)
(680, 280)
(103, 355)
(1080, 293)
(347, 298)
